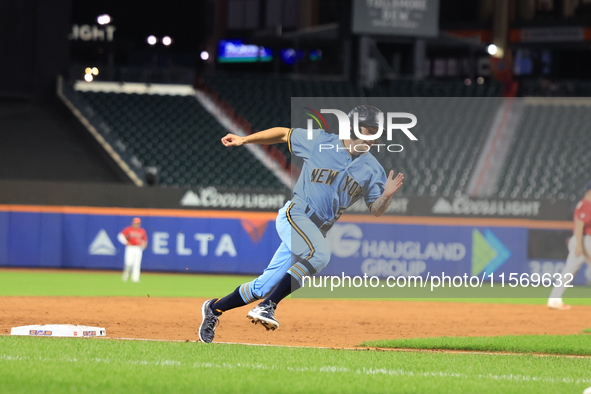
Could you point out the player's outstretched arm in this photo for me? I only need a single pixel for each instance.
(122, 238)
(274, 135)
(379, 206)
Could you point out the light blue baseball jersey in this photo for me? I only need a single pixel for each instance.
(332, 179)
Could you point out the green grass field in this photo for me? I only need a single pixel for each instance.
(545, 344)
(57, 365)
(48, 365)
(109, 284)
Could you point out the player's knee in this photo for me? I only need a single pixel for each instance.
(321, 257)
(257, 291)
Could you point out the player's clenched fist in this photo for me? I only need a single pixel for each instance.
(232, 140)
(393, 184)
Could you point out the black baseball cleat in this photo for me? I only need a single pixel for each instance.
(209, 322)
(264, 313)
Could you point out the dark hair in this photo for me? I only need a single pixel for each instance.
(368, 115)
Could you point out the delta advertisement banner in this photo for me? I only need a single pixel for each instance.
(233, 246)
(236, 245)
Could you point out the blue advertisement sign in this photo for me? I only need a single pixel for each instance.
(245, 246)
(239, 246)
(392, 250)
(235, 51)
(420, 250)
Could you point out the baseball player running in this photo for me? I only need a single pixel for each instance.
(135, 240)
(330, 182)
(579, 249)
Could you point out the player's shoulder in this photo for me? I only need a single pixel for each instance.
(584, 204)
(316, 133)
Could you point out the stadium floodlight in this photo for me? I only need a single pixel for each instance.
(166, 40)
(204, 55)
(492, 49)
(88, 77)
(152, 40)
(103, 19)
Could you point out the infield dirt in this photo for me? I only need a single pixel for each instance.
(318, 323)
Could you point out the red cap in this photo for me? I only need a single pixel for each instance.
(136, 220)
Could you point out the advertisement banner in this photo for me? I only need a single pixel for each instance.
(371, 260)
(391, 250)
(419, 18)
(465, 206)
(213, 198)
(131, 196)
(220, 242)
(216, 245)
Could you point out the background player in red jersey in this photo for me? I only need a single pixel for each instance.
(135, 240)
(579, 249)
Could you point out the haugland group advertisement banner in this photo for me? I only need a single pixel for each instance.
(453, 261)
(235, 245)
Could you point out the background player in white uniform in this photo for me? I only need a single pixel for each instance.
(579, 249)
(331, 180)
(135, 240)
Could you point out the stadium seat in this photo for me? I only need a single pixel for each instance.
(178, 136)
(550, 155)
(439, 165)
